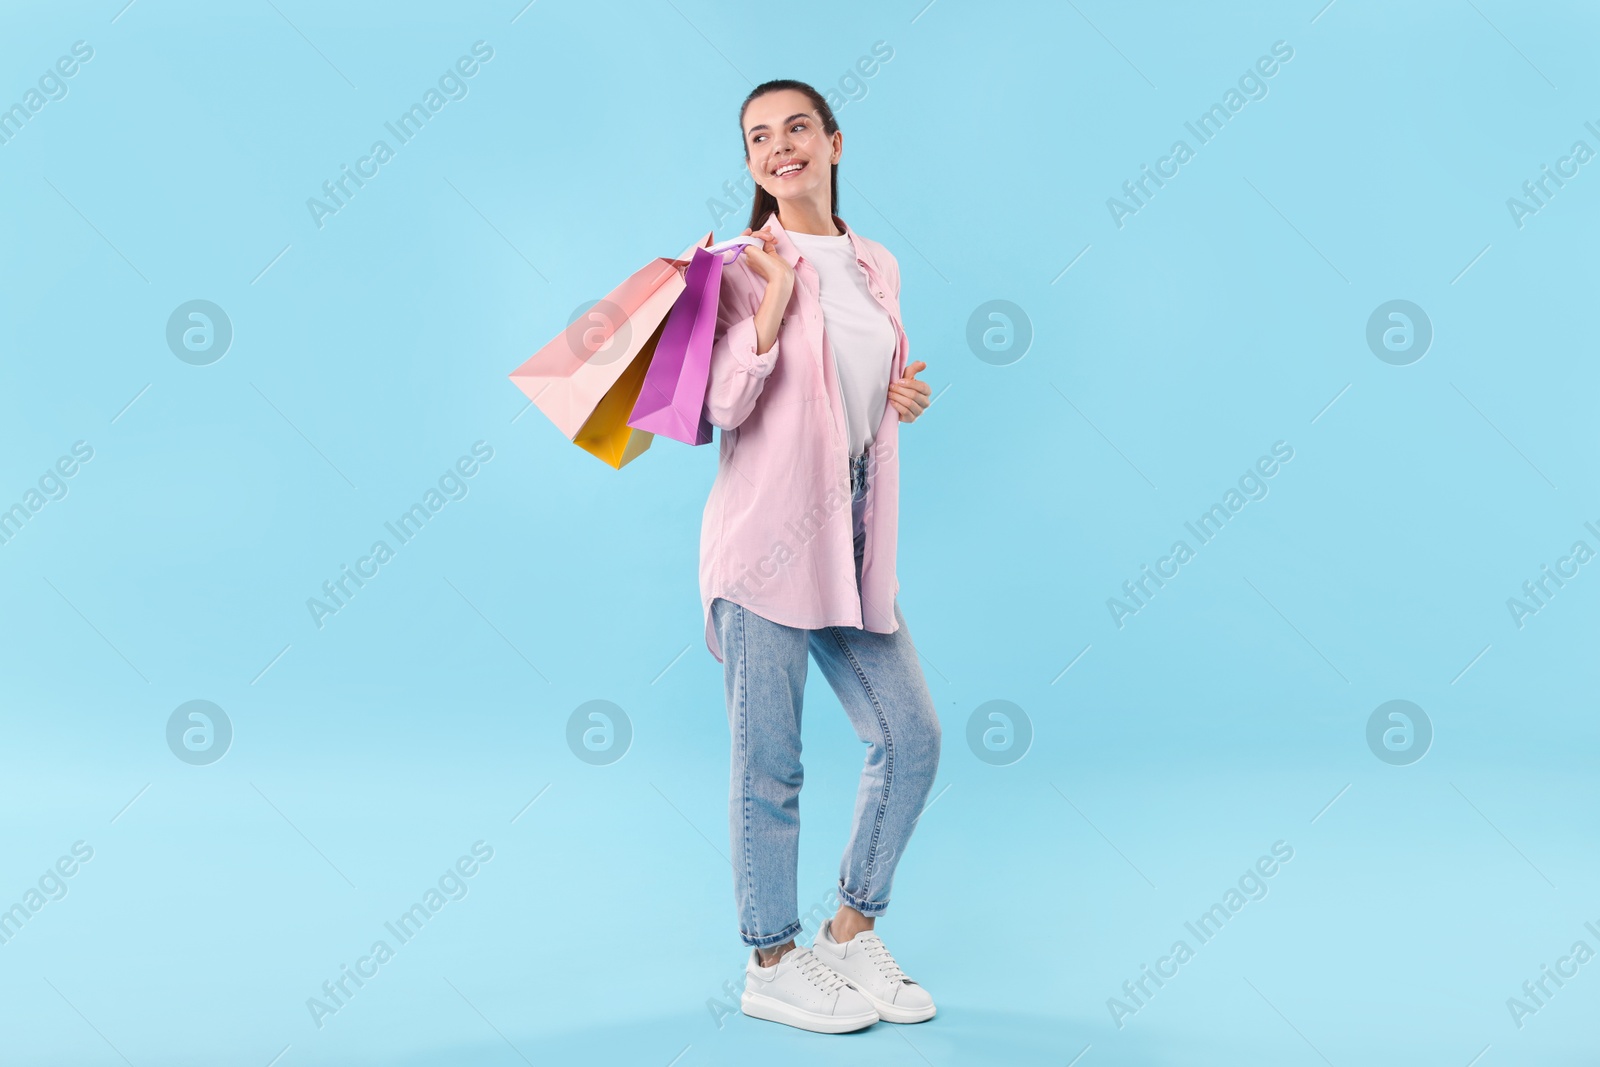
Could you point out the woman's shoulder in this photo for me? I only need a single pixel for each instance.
(740, 282)
(875, 247)
(884, 259)
(738, 268)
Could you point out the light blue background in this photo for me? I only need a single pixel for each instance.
(369, 354)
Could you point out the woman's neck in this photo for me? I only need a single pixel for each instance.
(807, 218)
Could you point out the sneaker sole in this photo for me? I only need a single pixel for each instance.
(777, 1011)
(891, 1014)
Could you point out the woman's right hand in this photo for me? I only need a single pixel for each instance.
(767, 264)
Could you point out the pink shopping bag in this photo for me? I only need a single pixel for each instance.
(672, 400)
(570, 375)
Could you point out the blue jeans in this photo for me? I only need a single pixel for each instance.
(879, 680)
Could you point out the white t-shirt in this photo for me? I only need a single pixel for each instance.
(859, 330)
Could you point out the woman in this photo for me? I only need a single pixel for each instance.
(809, 383)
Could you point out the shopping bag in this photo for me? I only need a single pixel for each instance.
(606, 433)
(571, 375)
(672, 399)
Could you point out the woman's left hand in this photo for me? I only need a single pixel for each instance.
(910, 396)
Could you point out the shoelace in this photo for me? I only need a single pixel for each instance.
(816, 972)
(879, 954)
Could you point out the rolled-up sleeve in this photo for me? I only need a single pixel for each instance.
(737, 371)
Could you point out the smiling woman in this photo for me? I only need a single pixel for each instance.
(809, 384)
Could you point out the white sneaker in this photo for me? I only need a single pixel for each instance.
(866, 964)
(802, 991)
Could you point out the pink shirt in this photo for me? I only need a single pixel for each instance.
(777, 535)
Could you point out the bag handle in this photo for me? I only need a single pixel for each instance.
(734, 245)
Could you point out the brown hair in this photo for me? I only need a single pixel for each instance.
(765, 203)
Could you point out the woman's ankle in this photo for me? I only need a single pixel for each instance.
(848, 922)
(769, 956)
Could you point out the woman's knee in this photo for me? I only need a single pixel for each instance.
(770, 764)
(918, 743)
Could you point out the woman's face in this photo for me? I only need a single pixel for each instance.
(789, 155)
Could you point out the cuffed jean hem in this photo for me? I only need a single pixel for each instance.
(865, 907)
(771, 939)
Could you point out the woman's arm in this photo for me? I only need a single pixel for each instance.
(738, 371)
(909, 394)
(769, 316)
(746, 345)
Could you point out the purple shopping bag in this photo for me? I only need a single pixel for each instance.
(672, 400)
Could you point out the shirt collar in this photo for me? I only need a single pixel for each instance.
(787, 248)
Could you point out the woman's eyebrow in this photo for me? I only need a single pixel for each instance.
(791, 118)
